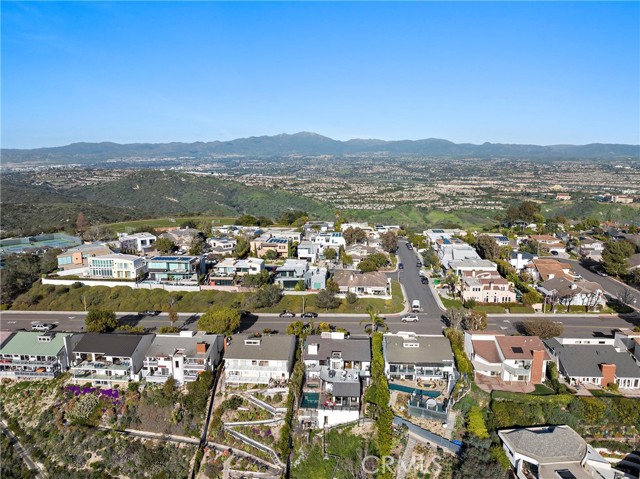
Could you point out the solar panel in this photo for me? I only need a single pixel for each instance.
(517, 349)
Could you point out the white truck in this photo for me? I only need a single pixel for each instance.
(415, 306)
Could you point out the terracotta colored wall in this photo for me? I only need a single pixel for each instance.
(608, 374)
(537, 366)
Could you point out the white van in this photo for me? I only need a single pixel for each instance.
(415, 306)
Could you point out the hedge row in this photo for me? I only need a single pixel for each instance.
(463, 363)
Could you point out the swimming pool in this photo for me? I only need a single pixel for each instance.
(310, 400)
(407, 389)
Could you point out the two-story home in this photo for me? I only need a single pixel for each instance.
(222, 245)
(78, 257)
(181, 356)
(259, 360)
(181, 237)
(581, 361)
(309, 251)
(230, 267)
(107, 359)
(519, 260)
(138, 243)
(329, 240)
(553, 452)
(418, 358)
(173, 268)
(335, 369)
(454, 249)
(34, 355)
(549, 243)
(290, 273)
(591, 248)
(374, 283)
(542, 269)
(462, 267)
(486, 287)
(262, 245)
(117, 266)
(508, 358)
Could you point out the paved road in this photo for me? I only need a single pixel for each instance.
(609, 284)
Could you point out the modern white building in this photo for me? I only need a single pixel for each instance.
(117, 266)
(240, 267)
(138, 242)
(259, 360)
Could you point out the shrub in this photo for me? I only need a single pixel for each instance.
(475, 423)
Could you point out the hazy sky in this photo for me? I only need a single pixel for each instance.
(508, 72)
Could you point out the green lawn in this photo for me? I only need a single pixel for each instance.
(451, 303)
(542, 390)
(166, 222)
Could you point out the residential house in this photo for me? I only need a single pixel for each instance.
(432, 235)
(313, 227)
(290, 273)
(508, 358)
(563, 196)
(182, 356)
(174, 268)
(591, 248)
(107, 359)
(572, 293)
(624, 199)
(520, 260)
(117, 266)
(222, 245)
(464, 266)
(290, 234)
(329, 240)
(553, 452)
(486, 287)
(262, 245)
(374, 283)
(499, 238)
(259, 360)
(625, 338)
(581, 362)
(453, 249)
(34, 355)
(78, 257)
(137, 242)
(549, 243)
(543, 269)
(334, 372)
(232, 267)
(419, 358)
(309, 251)
(181, 237)
(359, 252)
(315, 278)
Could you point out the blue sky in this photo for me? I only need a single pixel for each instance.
(510, 72)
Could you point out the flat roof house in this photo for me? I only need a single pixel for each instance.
(259, 360)
(230, 267)
(117, 266)
(262, 245)
(106, 359)
(334, 371)
(181, 356)
(34, 355)
(553, 452)
(136, 242)
(308, 251)
(78, 257)
(594, 364)
(173, 268)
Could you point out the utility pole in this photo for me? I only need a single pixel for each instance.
(84, 301)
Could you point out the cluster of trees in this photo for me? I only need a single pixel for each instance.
(220, 321)
(377, 398)
(354, 235)
(543, 327)
(326, 299)
(526, 211)
(467, 319)
(101, 321)
(294, 218)
(256, 280)
(304, 330)
(250, 220)
(615, 257)
(20, 271)
(373, 262)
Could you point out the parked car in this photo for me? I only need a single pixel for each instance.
(602, 273)
(554, 253)
(149, 312)
(400, 266)
(41, 327)
(418, 264)
(410, 318)
(310, 314)
(424, 280)
(287, 314)
(409, 246)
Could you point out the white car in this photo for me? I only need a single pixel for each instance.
(411, 318)
(41, 327)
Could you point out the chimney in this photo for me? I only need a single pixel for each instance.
(201, 348)
(537, 367)
(608, 374)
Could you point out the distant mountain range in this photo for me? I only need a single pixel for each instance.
(310, 144)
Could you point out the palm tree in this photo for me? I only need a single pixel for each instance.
(375, 320)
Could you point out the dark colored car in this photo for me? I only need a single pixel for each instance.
(424, 280)
(310, 314)
(149, 312)
(418, 264)
(400, 266)
(287, 314)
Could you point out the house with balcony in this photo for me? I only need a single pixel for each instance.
(549, 243)
(418, 358)
(453, 249)
(222, 245)
(139, 243)
(572, 293)
(335, 370)
(330, 239)
(173, 269)
(508, 358)
(107, 359)
(309, 251)
(259, 360)
(117, 266)
(35, 355)
(472, 266)
(183, 356)
(290, 273)
(262, 245)
(594, 362)
(78, 257)
(231, 267)
(486, 287)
